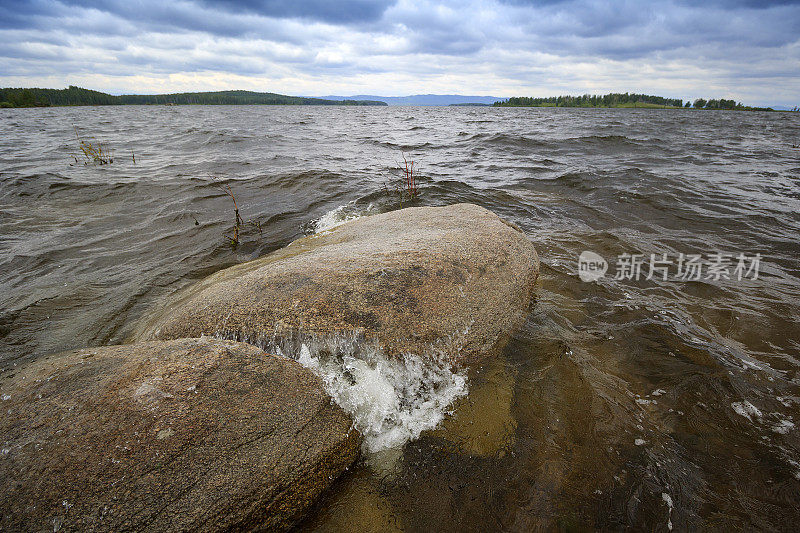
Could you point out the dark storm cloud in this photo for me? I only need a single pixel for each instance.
(321, 10)
(227, 18)
(756, 4)
(534, 2)
(24, 14)
(155, 15)
(195, 14)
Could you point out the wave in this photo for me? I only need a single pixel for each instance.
(508, 140)
(391, 400)
(605, 140)
(340, 215)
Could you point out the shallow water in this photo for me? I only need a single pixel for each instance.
(643, 403)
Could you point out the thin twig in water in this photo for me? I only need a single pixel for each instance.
(411, 185)
(227, 190)
(238, 221)
(257, 224)
(92, 152)
(407, 184)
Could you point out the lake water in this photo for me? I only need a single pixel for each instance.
(648, 403)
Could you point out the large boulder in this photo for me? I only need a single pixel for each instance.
(451, 280)
(190, 434)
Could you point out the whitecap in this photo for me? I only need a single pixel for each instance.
(391, 400)
(746, 409)
(783, 426)
(340, 215)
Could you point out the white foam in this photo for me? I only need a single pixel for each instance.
(391, 400)
(340, 215)
(749, 364)
(796, 465)
(668, 500)
(746, 409)
(783, 426)
(787, 401)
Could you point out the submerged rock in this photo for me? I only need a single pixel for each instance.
(356, 504)
(482, 423)
(190, 434)
(446, 281)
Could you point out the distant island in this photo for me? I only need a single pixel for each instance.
(76, 96)
(423, 99)
(625, 100)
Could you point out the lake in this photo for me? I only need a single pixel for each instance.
(654, 384)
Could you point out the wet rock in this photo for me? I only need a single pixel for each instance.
(430, 280)
(190, 434)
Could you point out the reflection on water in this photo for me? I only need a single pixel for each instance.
(650, 404)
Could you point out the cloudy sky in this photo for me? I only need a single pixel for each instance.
(747, 50)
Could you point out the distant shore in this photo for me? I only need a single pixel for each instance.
(627, 100)
(78, 96)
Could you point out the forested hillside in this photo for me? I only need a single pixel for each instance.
(78, 96)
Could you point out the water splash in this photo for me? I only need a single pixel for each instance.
(391, 400)
(340, 215)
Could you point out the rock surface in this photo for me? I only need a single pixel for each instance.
(190, 434)
(450, 280)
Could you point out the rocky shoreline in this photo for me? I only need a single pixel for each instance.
(183, 430)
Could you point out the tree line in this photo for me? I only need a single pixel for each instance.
(624, 100)
(73, 96)
(702, 103)
(591, 100)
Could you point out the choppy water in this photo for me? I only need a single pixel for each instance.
(652, 404)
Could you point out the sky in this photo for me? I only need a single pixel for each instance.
(746, 50)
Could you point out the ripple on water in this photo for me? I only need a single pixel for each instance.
(547, 437)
